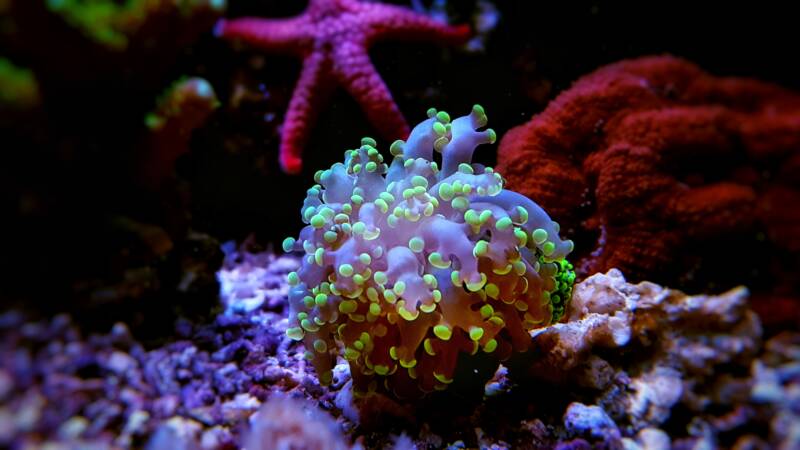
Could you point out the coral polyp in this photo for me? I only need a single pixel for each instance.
(408, 264)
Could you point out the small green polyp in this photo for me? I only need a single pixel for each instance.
(481, 248)
(539, 235)
(374, 309)
(365, 258)
(346, 270)
(503, 224)
(317, 221)
(348, 306)
(416, 244)
(396, 149)
(288, 244)
(443, 332)
(417, 180)
(475, 333)
(436, 260)
(295, 333)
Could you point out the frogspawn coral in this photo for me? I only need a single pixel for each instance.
(408, 264)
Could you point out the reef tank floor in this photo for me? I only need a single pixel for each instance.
(399, 224)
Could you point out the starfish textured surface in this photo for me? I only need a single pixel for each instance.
(332, 38)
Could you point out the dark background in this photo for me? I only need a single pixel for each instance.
(67, 167)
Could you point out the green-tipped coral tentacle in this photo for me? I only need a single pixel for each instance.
(459, 150)
(538, 224)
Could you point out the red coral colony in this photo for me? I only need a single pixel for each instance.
(663, 162)
(614, 264)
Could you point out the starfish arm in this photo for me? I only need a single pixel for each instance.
(358, 76)
(313, 87)
(283, 35)
(396, 22)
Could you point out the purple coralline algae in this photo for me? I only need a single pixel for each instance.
(291, 424)
(659, 368)
(108, 391)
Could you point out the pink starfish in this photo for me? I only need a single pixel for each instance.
(332, 38)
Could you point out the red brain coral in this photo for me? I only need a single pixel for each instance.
(656, 159)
